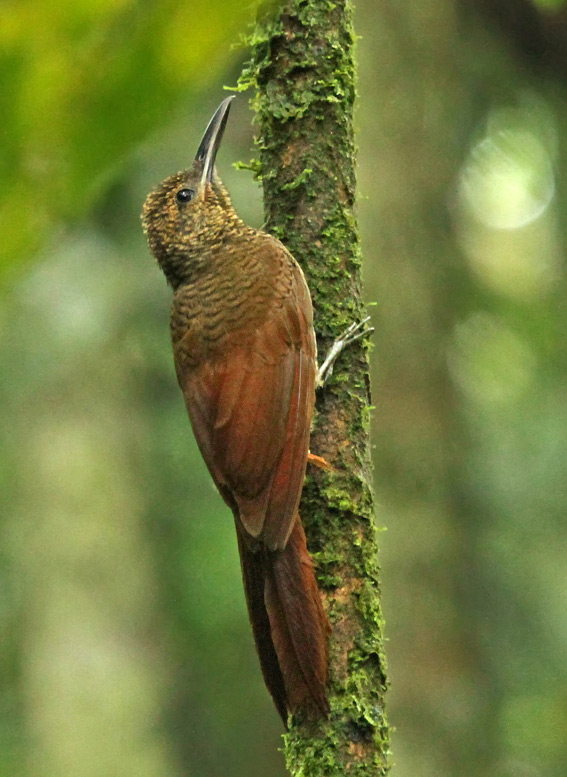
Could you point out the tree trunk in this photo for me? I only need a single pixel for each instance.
(303, 71)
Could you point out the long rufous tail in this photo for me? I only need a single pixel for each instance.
(288, 621)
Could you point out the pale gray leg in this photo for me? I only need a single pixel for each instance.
(354, 332)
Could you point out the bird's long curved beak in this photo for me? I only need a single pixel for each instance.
(211, 141)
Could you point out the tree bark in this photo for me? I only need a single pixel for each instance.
(303, 71)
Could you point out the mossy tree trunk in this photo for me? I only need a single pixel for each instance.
(303, 71)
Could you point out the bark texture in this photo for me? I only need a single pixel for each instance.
(303, 72)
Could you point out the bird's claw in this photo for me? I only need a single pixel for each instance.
(354, 332)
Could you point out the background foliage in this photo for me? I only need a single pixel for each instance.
(125, 647)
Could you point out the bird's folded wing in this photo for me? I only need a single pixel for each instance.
(251, 414)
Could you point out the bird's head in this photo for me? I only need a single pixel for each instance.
(188, 212)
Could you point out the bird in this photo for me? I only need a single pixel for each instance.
(245, 356)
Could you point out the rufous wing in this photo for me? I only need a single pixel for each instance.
(250, 407)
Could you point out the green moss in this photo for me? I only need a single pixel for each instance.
(301, 179)
(253, 165)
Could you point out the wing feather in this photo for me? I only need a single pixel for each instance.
(251, 409)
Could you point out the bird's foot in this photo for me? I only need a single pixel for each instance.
(318, 461)
(354, 332)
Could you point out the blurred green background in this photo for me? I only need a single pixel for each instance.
(125, 648)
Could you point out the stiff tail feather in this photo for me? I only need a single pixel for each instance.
(289, 624)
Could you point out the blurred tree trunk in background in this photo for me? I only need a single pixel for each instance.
(417, 133)
(94, 677)
(438, 76)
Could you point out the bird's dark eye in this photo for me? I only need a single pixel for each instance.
(185, 195)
